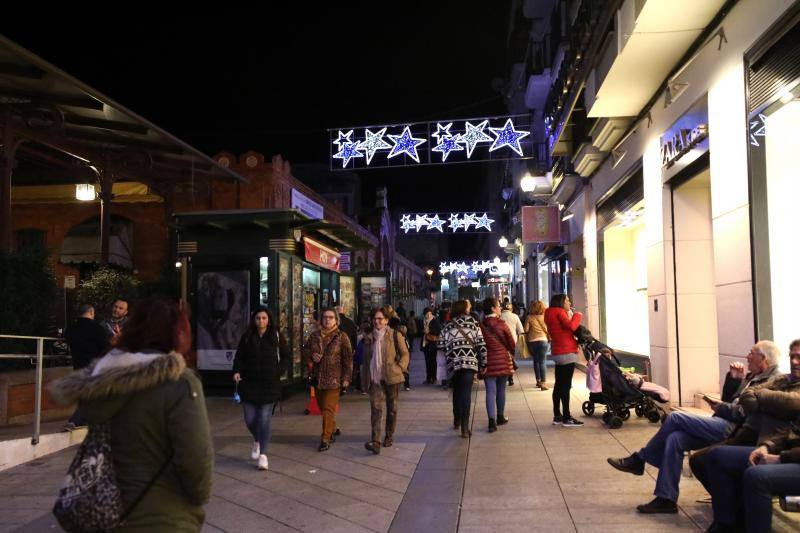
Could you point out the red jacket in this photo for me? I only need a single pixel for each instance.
(499, 347)
(561, 330)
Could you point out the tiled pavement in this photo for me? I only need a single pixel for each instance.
(528, 476)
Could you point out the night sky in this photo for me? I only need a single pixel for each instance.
(274, 80)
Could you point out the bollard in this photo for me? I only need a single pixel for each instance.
(37, 414)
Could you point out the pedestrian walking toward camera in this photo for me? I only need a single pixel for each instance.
(330, 355)
(538, 339)
(431, 329)
(260, 361)
(142, 400)
(411, 327)
(499, 362)
(561, 323)
(465, 353)
(87, 341)
(386, 359)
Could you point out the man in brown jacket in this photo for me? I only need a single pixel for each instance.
(386, 360)
(330, 356)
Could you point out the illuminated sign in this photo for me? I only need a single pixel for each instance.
(446, 222)
(678, 144)
(473, 268)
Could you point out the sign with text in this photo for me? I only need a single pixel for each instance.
(306, 205)
(321, 255)
(541, 224)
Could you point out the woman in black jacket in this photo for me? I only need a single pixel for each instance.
(261, 360)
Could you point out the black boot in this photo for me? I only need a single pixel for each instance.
(492, 425)
(465, 432)
(456, 422)
(501, 420)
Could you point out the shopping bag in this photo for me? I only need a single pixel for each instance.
(593, 382)
(441, 367)
(522, 348)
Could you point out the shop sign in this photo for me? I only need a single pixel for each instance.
(674, 146)
(344, 262)
(541, 224)
(321, 255)
(306, 205)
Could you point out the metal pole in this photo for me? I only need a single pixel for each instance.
(37, 414)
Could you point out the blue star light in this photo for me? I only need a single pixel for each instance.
(455, 222)
(435, 223)
(346, 152)
(405, 143)
(446, 145)
(469, 220)
(406, 224)
(474, 135)
(508, 136)
(484, 222)
(343, 138)
(372, 143)
(420, 221)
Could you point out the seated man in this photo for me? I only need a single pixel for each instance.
(682, 432)
(751, 476)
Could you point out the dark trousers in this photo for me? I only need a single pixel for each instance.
(410, 343)
(698, 460)
(430, 362)
(538, 350)
(462, 396)
(561, 389)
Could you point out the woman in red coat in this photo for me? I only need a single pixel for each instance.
(499, 364)
(562, 323)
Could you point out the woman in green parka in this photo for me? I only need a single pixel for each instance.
(158, 420)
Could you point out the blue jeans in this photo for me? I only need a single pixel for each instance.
(257, 418)
(539, 351)
(462, 396)
(735, 485)
(496, 395)
(680, 433)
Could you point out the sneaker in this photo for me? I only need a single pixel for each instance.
(502, 420)
(658, 506)
(632, 464)
(570, 422)
(492, 425)
(374, 447)
(558, 421)
(255, 451)
(407, 388)
(263, 462)
(324, 446)
(387, 442)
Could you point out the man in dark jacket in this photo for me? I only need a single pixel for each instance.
(87, 342)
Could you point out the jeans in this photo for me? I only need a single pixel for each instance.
(328, 401)
(383, 397)
(430, 362)
(561, 389)
(538, 350)
(257, 418)
(495, 396)
(462, 396)
(680, 433)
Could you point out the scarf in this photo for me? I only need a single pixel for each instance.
(376, 365)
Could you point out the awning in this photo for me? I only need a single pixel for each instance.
(82, 245)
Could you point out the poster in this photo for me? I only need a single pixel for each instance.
(347, 290)
(223, 308)
(373, 293)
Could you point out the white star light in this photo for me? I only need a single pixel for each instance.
(435, 223)
(420, 221)
(405, 143)
(372, 143)
(442, 131)
(343, 138)
(484, 222)
(508, 136)
(347, 151)
(469, 220)
(474, 135)
(455, 222)
(405, 223)
(759, 131)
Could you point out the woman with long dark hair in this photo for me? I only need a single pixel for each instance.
(156, 414)
(537, 337)
(261, 360)
(562, 323)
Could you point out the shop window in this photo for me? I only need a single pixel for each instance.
(30, 239)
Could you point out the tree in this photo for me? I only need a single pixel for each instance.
(28, 293)
(104, 287)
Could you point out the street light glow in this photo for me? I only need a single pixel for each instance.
(527, 183)
(503, 242)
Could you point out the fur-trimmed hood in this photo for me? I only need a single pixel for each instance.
(104, 386)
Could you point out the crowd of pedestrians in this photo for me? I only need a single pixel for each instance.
(133, 389)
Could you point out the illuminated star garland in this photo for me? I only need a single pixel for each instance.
(347, 151)
(508, 136)
(451, 221)
(372, 143)
(405, 143)
(474, 135)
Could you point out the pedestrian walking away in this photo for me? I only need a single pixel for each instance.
(465, 352)
(538, 339)
(431, 329)
(499, 362)
(386, 359)
(87, 341)
(260, 361)
(515, 327)
(561, 323)
(330, 358)
(153, 410)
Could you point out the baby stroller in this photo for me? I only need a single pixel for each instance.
(618, 394)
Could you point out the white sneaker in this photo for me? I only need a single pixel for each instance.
(256, 451)
(263, 463)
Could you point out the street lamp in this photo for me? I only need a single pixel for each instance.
(503, 242)
(429, 272)
(527, 183)
(85, 192)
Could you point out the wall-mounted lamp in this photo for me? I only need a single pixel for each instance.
(527, 183)
(503, 242)
(85, 192)
(567, 215)
(178, 265)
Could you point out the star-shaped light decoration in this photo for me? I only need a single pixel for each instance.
(435, 222)
(406, 224)
(484, 221)
(405, 143)
(347, 151)
(758, 128)
(446, 145)
(469, 220)
(474, 135)
(372, 143)
(455, 222)
(442, 131)
(420, 221)
(343, 138)
(508, 136)
(462, 267)
(444, 268)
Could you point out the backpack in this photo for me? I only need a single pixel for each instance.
(90, 499)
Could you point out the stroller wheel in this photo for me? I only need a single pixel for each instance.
(615, 422)
(653, 416)
(588, 408)
(625, 414)
(606, 417)
(638, 410)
